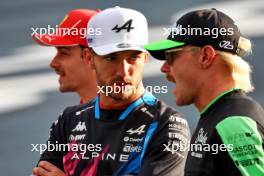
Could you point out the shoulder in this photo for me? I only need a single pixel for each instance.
(240, 104)
(169, 114)
(240, 126)
(171, 124)
(74, 111)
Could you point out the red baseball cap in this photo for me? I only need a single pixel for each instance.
(70, 32)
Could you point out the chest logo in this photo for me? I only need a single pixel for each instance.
(140, 130)
(80, 127)
(202, 137)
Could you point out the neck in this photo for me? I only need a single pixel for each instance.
(108, 101)
(210, 91)
(88, 93)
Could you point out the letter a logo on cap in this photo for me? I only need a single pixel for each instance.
(126, 26)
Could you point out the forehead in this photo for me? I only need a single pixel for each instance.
(125, 53)
(68, 48)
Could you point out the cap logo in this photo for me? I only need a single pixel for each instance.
(124, 45)
(127, 26)
(226, 44)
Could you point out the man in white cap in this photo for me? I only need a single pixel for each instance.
(124, 130)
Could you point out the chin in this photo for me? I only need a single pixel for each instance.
(170, 79)
(181, 102)
(66, 89)
(121, 96)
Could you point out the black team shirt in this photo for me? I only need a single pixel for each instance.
(140, 139)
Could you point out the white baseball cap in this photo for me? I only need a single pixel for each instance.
(118, 29)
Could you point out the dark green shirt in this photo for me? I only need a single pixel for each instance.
(228, 140)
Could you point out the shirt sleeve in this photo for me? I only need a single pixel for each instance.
(167, 150)
(246, 137)
(53, 154)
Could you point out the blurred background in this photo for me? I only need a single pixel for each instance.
(29, 96)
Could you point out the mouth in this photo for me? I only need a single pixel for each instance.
(171, 79)
(61, 75)
(60, 72)
(122, 84)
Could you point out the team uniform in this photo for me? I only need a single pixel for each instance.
(135, 140)
(235, 122)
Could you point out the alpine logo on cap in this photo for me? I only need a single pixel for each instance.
(127, 26)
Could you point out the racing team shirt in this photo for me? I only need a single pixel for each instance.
(141, 139)
(229, 138)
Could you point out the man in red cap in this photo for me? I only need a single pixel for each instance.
(69, 39)
(74, 73)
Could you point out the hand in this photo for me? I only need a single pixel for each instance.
(45, 168)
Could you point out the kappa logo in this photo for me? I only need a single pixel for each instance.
(127, 26)
(226, 44)
(80, 127)
(138, 131)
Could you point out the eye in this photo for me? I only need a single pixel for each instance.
(134, 57)
(63, 52)
(176, 54)
(109, 58)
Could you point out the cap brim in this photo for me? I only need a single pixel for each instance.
(52, 40)
(157, 49)
(112, 48)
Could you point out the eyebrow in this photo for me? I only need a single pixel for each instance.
(63, 47)
(110, 55)
(136, 52)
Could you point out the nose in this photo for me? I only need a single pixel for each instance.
(124, 68)
(54, 63)
(165, 68)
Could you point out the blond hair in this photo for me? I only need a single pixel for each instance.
(241, 70)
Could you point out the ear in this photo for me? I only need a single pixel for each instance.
(88, 57)
(146, 57)
(207, 56)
